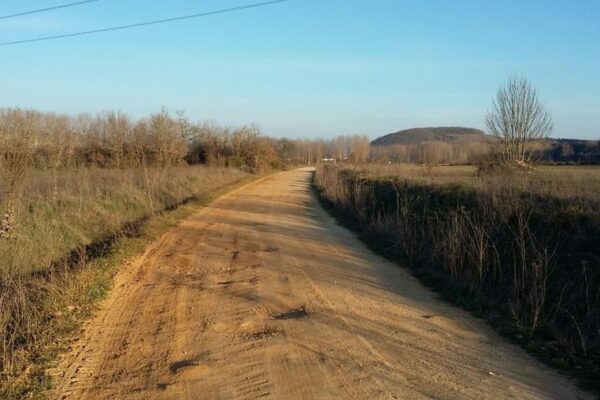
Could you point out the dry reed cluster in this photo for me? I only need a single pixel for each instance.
(521, 250)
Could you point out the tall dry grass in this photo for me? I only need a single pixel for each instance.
(81, 206)
(61, 221)
(523, 250)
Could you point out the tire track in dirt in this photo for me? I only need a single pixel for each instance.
(261, 295)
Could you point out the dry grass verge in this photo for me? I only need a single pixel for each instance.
(72, 229)
(520, 251)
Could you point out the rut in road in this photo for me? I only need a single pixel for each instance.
(262, 295)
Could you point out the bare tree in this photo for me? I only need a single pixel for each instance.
(340, 148)
(517, 119)
(360, 148)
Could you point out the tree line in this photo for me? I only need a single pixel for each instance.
(517, 120)
(115, 140)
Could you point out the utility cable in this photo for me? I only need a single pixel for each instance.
(140, 24)
(41, 10)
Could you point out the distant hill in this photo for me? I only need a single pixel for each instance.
(437, 134)
(464, 145)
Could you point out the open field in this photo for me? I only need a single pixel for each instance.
(561, 181)
(520, 250)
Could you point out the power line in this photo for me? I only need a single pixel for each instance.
(140, 24)
(41, 10)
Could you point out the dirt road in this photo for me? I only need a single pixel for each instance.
(262, 295)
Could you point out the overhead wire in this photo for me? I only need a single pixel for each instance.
(146, 23)
(52, 8)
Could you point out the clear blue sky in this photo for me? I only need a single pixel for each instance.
(309, 68)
